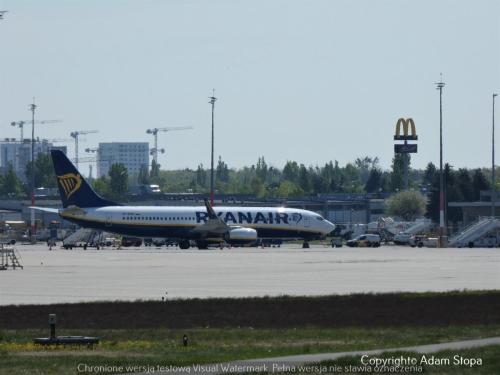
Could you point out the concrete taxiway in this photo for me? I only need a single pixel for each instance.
(149, 273)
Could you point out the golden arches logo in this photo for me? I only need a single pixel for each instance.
(70, 183)
(407, 124)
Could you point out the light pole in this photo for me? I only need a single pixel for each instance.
(493, 190)
(32, 108)
(212, 101)
(442, 227)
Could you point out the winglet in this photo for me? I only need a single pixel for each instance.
(210, 210)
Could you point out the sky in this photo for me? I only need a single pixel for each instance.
(310, 81)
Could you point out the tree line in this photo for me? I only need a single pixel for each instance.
(363, 175)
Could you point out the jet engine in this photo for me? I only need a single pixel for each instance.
(241, 236)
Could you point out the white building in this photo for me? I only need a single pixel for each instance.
(18, 154)
(133, 155)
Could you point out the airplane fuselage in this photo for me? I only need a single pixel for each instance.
(181, 222)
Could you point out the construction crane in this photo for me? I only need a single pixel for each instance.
(21, 124)
(57, 140)
(154, 151)
(75, 135)
(37, 140)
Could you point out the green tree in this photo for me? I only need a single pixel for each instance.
(44, 171)
(479, 183)
(143, 176)
(350, 182)
(365, 165)
(288, 189)
(201, 176)
(397, 175)
(316, 181)
(375, 181)
(10, 184)
(118, 181)
(261, 169)
(304, 179)
(453, 193)
(222, 171)
(258, 187)
(101, 186)
(337, 179)
(291, 171)
(464, 184)
(408, 205)
(429, 174)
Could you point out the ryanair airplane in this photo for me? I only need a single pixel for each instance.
(203, 225)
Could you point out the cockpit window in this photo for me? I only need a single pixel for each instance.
(319, 218)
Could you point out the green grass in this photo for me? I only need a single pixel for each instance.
(162, 346)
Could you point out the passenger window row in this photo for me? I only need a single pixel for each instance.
(158, 218)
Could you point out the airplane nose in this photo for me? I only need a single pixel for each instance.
(329, 226)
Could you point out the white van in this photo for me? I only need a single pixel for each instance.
(365, 240)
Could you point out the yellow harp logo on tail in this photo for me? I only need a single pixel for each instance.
(70, 183)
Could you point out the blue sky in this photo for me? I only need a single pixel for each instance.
(310, 81)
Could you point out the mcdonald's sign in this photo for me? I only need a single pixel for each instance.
(405, 149)
(407, 124)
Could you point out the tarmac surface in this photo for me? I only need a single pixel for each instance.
(60, 276)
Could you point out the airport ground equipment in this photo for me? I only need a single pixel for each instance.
(419, 226)
(9, 258)
(84, 237)
(365, 240)
(387, 228)
(423, 241)
(87, 341)
(337, 242)
(473, 234)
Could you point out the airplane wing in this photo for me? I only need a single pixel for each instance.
(46, 209)
(214, 224)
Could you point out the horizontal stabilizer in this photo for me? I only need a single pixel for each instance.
(46, 209)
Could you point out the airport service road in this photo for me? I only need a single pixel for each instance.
(148, 273)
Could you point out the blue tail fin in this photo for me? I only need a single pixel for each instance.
(73, 188)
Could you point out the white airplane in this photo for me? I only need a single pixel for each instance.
(203, 225)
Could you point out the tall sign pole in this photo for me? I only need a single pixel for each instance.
(442, 226)
(493, 190)
(212, 102)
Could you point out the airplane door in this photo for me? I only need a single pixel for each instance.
(108, 222)
(307, 221)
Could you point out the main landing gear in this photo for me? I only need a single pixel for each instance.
(202, 245)
(184, 244)
(305, 245)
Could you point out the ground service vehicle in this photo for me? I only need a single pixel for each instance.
(365, 240)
